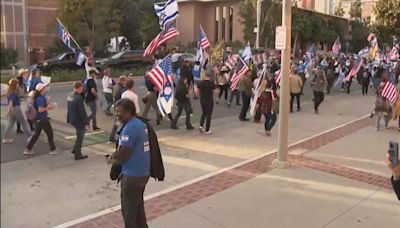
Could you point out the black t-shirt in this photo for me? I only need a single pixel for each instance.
(89, 96)
(206, 88)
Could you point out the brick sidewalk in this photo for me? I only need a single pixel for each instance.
(163, 204)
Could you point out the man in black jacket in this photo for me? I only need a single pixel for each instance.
(77, 117)
(395, 177)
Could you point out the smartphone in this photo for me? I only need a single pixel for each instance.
(394, 153)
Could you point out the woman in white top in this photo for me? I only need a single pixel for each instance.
(131, 95)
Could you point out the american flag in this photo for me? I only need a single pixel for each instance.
(231, 61)
(64, 35)
(169, 33)
(161, 72)
(390, 92)
(357, 66)
(241, 70)
(278, 77)
(204, 43)
(336, 47)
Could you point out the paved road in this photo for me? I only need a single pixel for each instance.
(64, 134)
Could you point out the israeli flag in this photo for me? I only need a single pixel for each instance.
(81, 58)
(246, 55)
(167, 12)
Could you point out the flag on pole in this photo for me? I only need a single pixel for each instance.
(364, 53)
(277, 77)
(373, 43)
(231, 61)
(160, 39)
(336, 47)
(160, 72)
(167, 12)
(390, 92)
(241, 70)
(246, 55)
(64, 35)
(357, 66)
(80, 59)
(257, 92)
(204, 42)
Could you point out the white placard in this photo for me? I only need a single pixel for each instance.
(280, 37)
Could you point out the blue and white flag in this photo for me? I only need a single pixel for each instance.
(167, 12)
(64, 35)
(246, 55)
(257, 92)
(165, 99)
(364, 53)
(80, 59)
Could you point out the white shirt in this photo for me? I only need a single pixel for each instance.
(107, 84)
(133, 97)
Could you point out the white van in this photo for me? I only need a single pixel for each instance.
(123, 44)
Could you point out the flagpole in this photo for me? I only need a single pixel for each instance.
(76, 43)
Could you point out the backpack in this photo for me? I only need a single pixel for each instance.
(31, 111)
(381, 105)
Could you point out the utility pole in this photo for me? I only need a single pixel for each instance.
(283, 127)
(258, 23)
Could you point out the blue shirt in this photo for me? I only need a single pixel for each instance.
(40, 101)
(196, 72)
(301, 68)
(135, 136)
(15, 99)
(33, 82)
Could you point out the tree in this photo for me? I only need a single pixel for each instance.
(247, 12)
(355, 10)
(388, 15)
(339, 11)
(91, 22)
(359, 33)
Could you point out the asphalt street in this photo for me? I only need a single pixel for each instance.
(64, 134)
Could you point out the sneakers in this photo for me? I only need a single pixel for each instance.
(54, 152)
(28, 152)
(7, 141)
(201, 129)
(268, 133)
(208, 132)
(190, 127)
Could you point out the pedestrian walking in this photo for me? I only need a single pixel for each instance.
(108, 84)
(365, 80)
(14, 112)
(223, 83)
(41, 120)
(269, 107)
(22, 91)
(382, 109)
(34, 79)
(91, 97)
(131, 95)
(77, 117)
(133, 154)
(206, 91)
(121, 88)
(245, 87)
(296, 83)
(318, 84)
(183, 103)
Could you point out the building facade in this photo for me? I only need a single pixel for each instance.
(28, 27)
(367, 8)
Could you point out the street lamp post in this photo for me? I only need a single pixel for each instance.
(281, 160)
(258, 23)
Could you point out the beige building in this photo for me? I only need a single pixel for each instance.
(367, 8)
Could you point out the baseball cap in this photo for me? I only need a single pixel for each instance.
(40, 86)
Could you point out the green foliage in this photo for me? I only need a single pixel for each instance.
(339, 11)
(91, 22)
(355, 10)
(359, 32)
(8, 57)
(388, 15)
(247, 12)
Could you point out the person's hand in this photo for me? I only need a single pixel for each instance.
(50, 106)
(395, 169)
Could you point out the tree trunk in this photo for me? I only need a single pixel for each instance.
(294, 45)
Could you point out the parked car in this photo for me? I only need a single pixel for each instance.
(185, 56)
(126, 59)
(64, 61)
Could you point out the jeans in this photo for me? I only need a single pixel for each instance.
(184, 106)
(109, 100)
(46, 126)
(245, 107)
(16, 116)
(270, 120)
(378, 116)
(223, 89)
(292, 96)
(318, 99)
(365, 87)
(93, 110)
(132, 203)
(235, 93)
(206, 113)
(80, 134)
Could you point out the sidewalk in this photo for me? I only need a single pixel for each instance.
(338, 178)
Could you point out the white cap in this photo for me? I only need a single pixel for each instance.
(40, 86)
